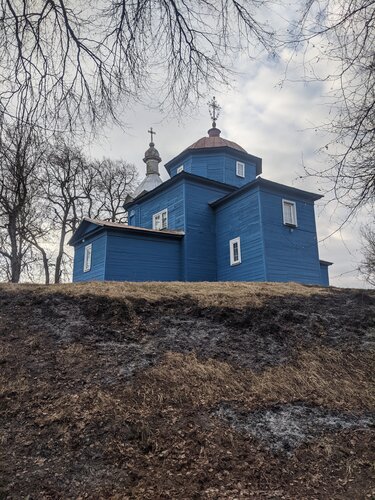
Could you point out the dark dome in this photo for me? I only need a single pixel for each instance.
(215, 141)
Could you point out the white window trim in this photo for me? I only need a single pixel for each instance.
(234, 262)
(160, 215)
(294, 213)
(240, 169)
(87, 258)
(180, 169)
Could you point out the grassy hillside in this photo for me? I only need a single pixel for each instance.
(186, 391)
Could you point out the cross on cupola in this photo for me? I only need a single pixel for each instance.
(214, 108)
(152, 133)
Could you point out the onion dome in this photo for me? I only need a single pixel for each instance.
(152, 160)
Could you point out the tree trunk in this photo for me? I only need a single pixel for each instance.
(60, 254)
(15, 260)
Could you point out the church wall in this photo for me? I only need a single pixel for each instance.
(200, 239)
(230, 176)
(240, 217)
(172, 199)
(219, 167)
(291, 253)
(324, 275)
(96, 273)
(142, 258)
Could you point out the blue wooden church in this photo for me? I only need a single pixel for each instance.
(215, 219)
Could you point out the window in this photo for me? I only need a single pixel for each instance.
(289, 213)
(180, 169)
(235, 251)
(240, 169)
(87, 258)
(160, 220)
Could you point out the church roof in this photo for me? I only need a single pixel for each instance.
(86, 221)
(150, 182)
(215, 142)
(176, 179)
(270, 185)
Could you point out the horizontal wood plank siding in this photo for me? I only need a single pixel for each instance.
(186, 162)
(96, 273)
(217, 166)
(291, 253)
(171, 199)
(240, 217)
(324, 275)
(142, 258)
(200, 237)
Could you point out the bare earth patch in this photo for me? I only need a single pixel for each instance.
(284, 427)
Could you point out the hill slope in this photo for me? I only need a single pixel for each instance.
(186, 391)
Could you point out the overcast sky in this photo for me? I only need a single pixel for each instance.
(271, 117)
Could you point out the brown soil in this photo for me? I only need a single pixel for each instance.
(184, 391)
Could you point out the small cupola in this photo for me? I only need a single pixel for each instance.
(152, 160)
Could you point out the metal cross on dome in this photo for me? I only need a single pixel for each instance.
(152, 133)
(214, 110)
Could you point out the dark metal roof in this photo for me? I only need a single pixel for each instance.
(265, 183)
(177, 178)
(124, 228)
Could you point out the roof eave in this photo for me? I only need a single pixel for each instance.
(101, 226)
(265, 183)
(177, 178)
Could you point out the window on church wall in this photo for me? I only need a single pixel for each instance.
(240, 169)
(160, 220)
(87, 258)
(289, 213)
(235, 251)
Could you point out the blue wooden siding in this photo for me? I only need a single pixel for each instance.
(132, 257)
(324, 276)
(291, 253)
(240, 217)
(172, 199)
(199, 247)
(98, 257)
(219, 167)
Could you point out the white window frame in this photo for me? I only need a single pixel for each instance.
(87, 259)
(240, 169)
(232, 243)
(293, 222)
(160, 220)
(180, 169)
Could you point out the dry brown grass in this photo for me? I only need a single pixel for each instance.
(323, 376)
(207, 294)
(77, 423)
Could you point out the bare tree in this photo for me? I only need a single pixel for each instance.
(342, 33)
(75, 187)
(66, 62)
(64, 187)
(367, 267)
(112, 181)
(21, 151)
